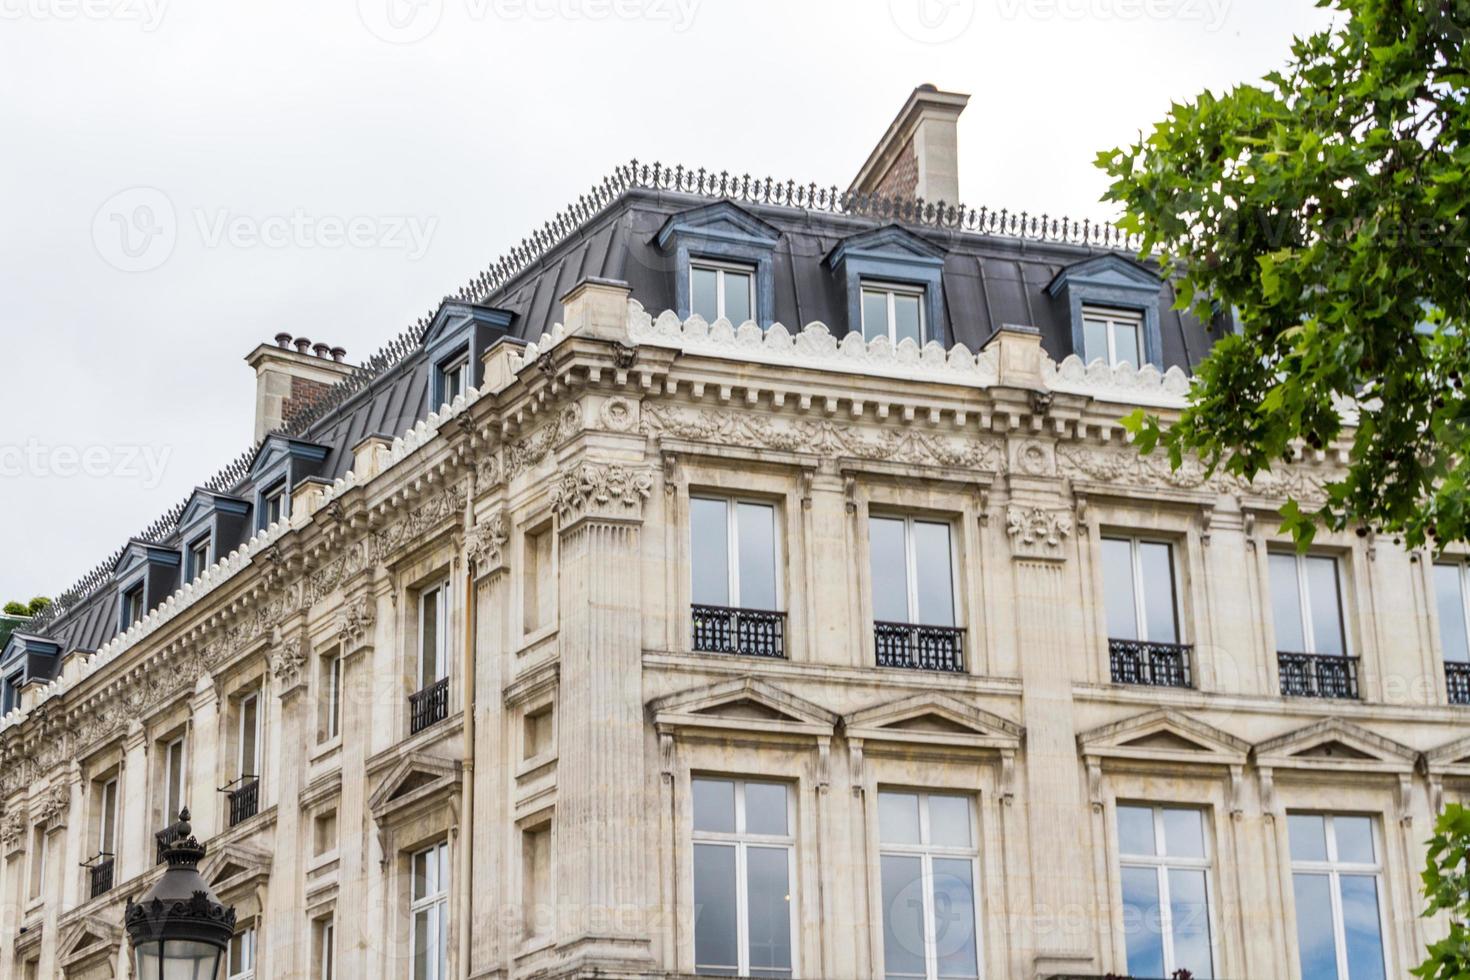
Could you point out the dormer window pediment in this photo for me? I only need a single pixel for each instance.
(25, 658)
(279, 466)
(145, 573)
(723, 263)
(893, 284)
(1113, 309)
(456, 342)
(211, 526)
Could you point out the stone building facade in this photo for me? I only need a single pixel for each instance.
(667, 646)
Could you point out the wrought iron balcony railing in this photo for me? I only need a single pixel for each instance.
(1318, 675)
(166, 837)
(1150, 664)
(244, 798)
(99, 870)
(748, 632)
(919, 647)
(429, 706)
(1457, 681)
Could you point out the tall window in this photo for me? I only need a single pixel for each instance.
(722, 289)
(913, 571)
(107, 817)
(174, 792)
(1112, 336)
(10, 695)
(1139, 590)
(928, 864)
(744, 846)
(433, 626)
(538, 580)
(1306, 600)
(430, 911)
(241, 962)
(733, 552)
(1452, 595)
(893, 311)
(38, 860)
(196, 559)
(1336, 875)
(454, 378)
(331, 696)
(249, 760)
(132, 606)
(273, 506)
(1165, 866)
(324, 951)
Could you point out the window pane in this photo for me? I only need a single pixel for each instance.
(1453, 634)
(703, 299)
(756, 525)
(1326, 611)
(421, 945)
(709, 551)
(737, 297)
(934, 574)
(769, 908)
(1117, 568)
(898, 818)
(1136, 830)
(949, 821)
(1354, 839)
(714, 907)
(906, 318)
(1184, 833)
(420, 875)
(1360, 925)
(1314, 935)
(714, 805)
(1286, 604)
(429, 638)
(1125, 344)
(1189, 910)
(1094, 340)
(765, 808)
(1156, 562)
(903, 916)
(890, 570)
(954, 918)
(248, 728)
(1308, 837)
(1142, 922)
(875, 315)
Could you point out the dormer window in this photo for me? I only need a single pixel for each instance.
(455, 344)
(722, 289)
(274, 506)
(10, 694)
(132, 606)
(454, 378)
(894, 311)
(196, 559)
(1112, 336)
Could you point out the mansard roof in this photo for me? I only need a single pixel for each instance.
(996, 267)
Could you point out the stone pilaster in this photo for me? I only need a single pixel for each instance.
(601, 851)
(285, 945)
(205, 801)
(135, 827)
(491, 938)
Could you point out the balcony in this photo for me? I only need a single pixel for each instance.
(916, 647)
(1150, 664)
(429, 706)
(244, 798)
(99, 872)
(1316, 675)
(1457, 681)
(168, 835)
(745, 632)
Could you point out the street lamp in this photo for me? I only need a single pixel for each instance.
(179, 929)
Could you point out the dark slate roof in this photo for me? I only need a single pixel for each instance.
(996, 269)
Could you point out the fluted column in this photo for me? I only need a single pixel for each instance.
(135, 825)
(601, 855)
(286, 943)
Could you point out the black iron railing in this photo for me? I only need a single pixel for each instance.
(1318, 675)
(1457, 681)
(166, 837)
(1150, 664)
(244, 798)
(429, 706)
(749, 632)
(918, 647)
(99, 871)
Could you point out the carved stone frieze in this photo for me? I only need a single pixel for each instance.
(596, 490)
(526, 453)
(1036, 532)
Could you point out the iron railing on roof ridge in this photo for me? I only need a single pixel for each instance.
(756, 190)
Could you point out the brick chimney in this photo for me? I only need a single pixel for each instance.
(918, 157)
(287, 376)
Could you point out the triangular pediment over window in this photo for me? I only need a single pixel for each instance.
(1335, 744)
(234, 866)
(933, 719)
(889, 242)
(742, 705)
(88, 944)
(721, 221)
(1166, 737)
(1452, 759)
(411, 779)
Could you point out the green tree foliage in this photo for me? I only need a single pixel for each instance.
(1329, 207)
(37, 604)
(1447, 886)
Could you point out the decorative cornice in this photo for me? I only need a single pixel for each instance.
(603, 491)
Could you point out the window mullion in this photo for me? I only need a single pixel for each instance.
(892, 318)
(1140, 606)
(1304, 601)
(732, 537)
(931, 927)
(742, 909)
(912, 570)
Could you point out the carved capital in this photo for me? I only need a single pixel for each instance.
(288, 666)
(1036, 532)
(54, 808)
(13, 833)
(485, 544)
(600, 491)
(355, 623)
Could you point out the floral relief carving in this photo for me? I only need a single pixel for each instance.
(1035, 531)
(288, 664)
(617, 414)
(54, 807)
(526, 453)
(594, 489)
(355, 622)
(485, 543)
(13, 833)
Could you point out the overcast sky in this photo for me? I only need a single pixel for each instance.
(247, 138)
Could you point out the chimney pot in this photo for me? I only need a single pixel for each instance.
(339, 354)
(303, 344)
(320, 349)
(283, 339)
